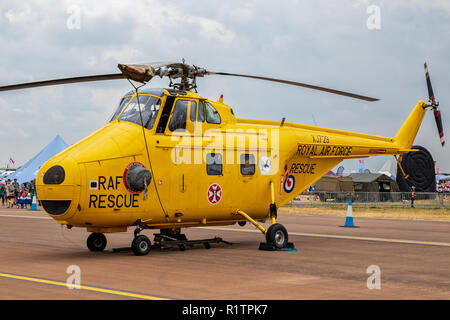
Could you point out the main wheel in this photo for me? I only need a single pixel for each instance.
(277, 235)
(141, 245)
(96, 241)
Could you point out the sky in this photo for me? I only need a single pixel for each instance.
(374, 48)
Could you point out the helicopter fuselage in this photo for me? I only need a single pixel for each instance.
(205, 164)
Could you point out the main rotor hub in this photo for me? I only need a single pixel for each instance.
(186, 74)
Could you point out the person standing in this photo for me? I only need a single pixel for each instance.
(16, 187)
(3, 193)
(32, 187)
(10, 194)
(413, 196)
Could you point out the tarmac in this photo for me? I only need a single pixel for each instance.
(331, 262)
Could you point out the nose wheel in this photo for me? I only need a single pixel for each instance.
(96, 241)
(141, 245)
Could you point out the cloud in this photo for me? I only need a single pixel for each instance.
(324, 42)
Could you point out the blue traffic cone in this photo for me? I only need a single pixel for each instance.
(349, 218)
(33, 203)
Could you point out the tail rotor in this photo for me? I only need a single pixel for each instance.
(434, 104)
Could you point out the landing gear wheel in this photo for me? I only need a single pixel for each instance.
(96, 241)
(277, 235)
(242, 223)
(141, 245)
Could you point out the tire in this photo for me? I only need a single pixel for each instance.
(141, 245)
(96, 242)
(242, 223)
(277, 235)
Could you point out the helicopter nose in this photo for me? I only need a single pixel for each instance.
(58, 188)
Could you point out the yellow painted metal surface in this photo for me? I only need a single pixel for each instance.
(287, 159)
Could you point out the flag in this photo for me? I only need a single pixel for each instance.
(11, 160)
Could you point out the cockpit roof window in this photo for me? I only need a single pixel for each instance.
(149, 107)
(152, 91)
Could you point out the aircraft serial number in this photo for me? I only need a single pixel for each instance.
(320, 139)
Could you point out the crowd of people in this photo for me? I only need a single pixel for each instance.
(443, 187)
(14, 195)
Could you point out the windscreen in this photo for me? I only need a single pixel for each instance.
(123, 102)
(149, 107)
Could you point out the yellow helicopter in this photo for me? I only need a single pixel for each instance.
(170, 159)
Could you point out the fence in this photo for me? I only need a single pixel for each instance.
(369, 199)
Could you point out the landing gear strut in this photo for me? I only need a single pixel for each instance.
(276, 234)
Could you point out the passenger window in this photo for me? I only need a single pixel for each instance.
(193, 110)
(201, 112)
(179, 115)
(214, 163)
(247, 164)
(212, 116)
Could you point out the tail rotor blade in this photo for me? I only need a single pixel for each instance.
(430, 88)
(437, 117)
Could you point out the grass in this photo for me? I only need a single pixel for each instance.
(433, 214)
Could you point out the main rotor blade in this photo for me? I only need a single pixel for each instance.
(299, 84)
(112, 76)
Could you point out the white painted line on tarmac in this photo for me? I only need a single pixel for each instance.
(19, 216)
(317, 235)
(336, 236)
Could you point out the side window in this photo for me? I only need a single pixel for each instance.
(214, 163)
(193, 110)
(179, 115)
(212, 116)
(201, 112)
(247, 164)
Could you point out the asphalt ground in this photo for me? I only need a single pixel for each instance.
(330, 262)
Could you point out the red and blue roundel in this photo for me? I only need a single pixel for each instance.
(289, 184)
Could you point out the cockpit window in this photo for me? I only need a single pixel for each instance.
(122, 104)
(212, 116)
(149, 108)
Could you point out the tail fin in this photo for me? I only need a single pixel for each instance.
(408, 131)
